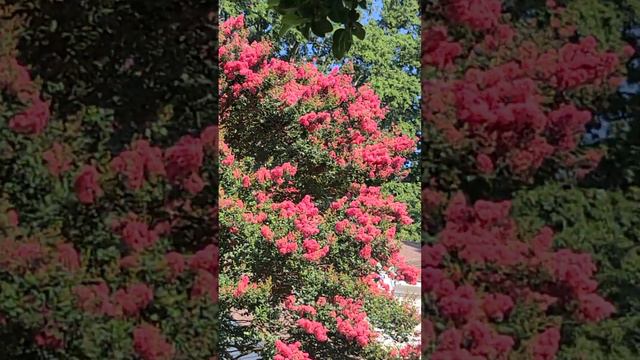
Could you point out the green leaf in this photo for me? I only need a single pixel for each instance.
(321, 27)
(307, 11)
(354, 15)
(358, 31)
(339, 14)
(289, 21)
(341, 42)
(287, 5)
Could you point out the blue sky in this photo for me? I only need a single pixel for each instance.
(373, 13)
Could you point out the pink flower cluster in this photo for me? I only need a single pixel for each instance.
(243, 285)
(180, 164)
(149, 343)
(476, 14)
(306, 220)
(571, 66)
(376, 285)
(87, 185)
(48, 338)
(16, 81)
(287, 244)
(314, 328)
(135, 298)
(351, 321)
(175, 264)
(403, 271)
(97, 299)
(406, 352)
(58, 159)
(503, 112)
(183, 162)
(379, 158)
(437, 50)
(313, 120)
(367, 217)
(484, 343)
(135, 234)
(129, 302)
(367, 211)
(205, 264)
(290, 304)
(545, 345)
(275, 175)
(286, 351)
(141, 159)
(30, 255)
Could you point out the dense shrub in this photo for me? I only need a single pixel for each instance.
(102, 254)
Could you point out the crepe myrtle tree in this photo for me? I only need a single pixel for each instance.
(306, 230)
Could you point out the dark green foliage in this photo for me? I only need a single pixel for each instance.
(134, 57)
(318, 17)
